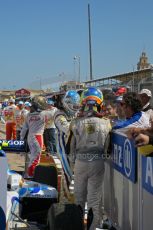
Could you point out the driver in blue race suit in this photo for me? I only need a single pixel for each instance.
(89, 133)
(67, 110)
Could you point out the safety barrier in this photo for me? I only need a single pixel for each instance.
(3, 188)
(128, 185)
(8, 146)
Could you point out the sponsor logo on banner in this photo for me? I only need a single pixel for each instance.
(124, 156)
(12, 145)
(147, 173)
(127, 150)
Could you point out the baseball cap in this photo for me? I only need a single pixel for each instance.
(12, 100)
(50, 102)
(20, 103)
(121, 91)
(119, 99)
(27, 103)
(146, 91)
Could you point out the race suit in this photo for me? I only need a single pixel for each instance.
(9, 117)
(34, 124)
(62, 123)
(89, 135)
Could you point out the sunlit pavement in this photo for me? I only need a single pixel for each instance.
(15, 160)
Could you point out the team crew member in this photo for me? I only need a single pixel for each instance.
(26, 109)
(34, 124)
(18, 118)
(89, 134)
(50, 129)
(9, 116)
(145, 97)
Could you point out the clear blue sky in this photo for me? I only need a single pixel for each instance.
(39, 38)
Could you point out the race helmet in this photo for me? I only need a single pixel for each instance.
(71, 102)
(92, 96)
(38, 103)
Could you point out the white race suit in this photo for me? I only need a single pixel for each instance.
(34, 124)
(87, 147)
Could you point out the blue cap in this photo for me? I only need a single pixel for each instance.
(20, 103)
(27, 103)
(50, 102)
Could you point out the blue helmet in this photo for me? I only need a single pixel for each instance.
(71, 102)
(92, 96)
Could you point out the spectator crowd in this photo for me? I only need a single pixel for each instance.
(76, 128)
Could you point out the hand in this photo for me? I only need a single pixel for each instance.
(141, 140)
(133, 132)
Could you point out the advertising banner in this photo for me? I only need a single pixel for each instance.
(124, 156)
(147, 173)
(22, 93)
(3, 189)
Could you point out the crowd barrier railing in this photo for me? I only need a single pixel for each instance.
(128, 185)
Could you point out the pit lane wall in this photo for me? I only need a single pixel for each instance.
(3, 189)
(7, 146)
(128, 185)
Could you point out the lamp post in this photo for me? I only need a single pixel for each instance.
(90, 49)
(78, 59)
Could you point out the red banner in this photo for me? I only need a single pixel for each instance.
(22, 93)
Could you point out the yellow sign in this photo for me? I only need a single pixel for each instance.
(146, 150)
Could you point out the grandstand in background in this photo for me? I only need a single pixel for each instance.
(135, 80)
